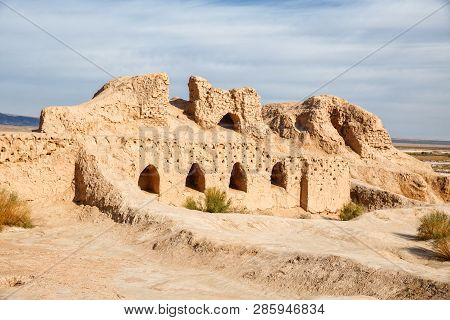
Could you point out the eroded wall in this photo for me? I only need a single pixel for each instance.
(110, 126)
(173, 160)
(207, 105)
(326, 185)
(121, 105)
(332, 125)
(37, 166)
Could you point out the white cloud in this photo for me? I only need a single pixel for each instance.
(285, 51)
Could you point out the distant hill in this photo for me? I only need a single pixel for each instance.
(22, 121)
(418, 141)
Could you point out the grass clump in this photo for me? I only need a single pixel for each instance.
(191, 204)
(435, 225)
(351, 210)
(13, 211)
(215, 201)
(441, 248)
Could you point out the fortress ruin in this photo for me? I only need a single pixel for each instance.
(130, 144)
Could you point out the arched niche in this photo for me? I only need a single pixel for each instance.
(279, 175)
(230, 121)
(149, 179)
(196, 178)
(238, 178)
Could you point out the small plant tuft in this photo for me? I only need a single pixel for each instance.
(351, 211)
(13, 211)
(441, 248)
(215, 201)
(305, 215)
(191, 204)
(435, 225)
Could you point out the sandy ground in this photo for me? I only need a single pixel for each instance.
(115, 265)
(76, 252)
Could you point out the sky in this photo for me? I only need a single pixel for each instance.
(285, 49)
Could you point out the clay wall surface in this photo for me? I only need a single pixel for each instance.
(374, 198)
(37, 166)
(332, 124)
(326, 181)
(120, 105)
(409, 184)
(208, 105)
(173, 160)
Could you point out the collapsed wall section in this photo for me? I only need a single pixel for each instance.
(37, 166)
(332, 124)
(374, 198)
(119, 106)
(208, 105)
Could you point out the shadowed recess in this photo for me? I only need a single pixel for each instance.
(279, 175)
(149, 179)
(196, 178)
(238, 179)
(230, 121)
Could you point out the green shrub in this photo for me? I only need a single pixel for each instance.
(435, 225)
(215, 201)
(441, 247)
(13, 211)
(351, 210)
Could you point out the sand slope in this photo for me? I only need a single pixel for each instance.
(75, 252)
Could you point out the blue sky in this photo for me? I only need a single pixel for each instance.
(284, 49)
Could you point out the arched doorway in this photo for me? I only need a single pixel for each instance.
(279, 175)
(238, 178)
(196, 178)
(230, 121)
(149, 179)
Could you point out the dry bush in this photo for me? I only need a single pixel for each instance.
(441, 248)
(13, 211)
(435, 225)
(191, 204)
(215, 201)
(351, 210)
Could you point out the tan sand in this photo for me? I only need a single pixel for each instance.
(75, 252)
